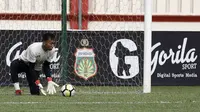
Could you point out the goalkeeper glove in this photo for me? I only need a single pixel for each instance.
(37, 82)
(50, 87)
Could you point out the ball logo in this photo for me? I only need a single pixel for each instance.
(123, 59)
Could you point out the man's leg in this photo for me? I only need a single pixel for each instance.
(14, 76)
(34, 89)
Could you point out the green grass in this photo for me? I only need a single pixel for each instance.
(161, 99)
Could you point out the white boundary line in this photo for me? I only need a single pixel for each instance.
(97, 103)
(82, 92)
(136, 92)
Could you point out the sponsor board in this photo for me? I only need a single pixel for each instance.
(175, 58)
(89, 59)
(112, 58)
(118, 56)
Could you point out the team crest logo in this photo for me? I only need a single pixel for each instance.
(85, 65)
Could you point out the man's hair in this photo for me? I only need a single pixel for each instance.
(48, 36)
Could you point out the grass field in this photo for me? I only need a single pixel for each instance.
(161, 99)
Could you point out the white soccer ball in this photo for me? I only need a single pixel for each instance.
(68, 90)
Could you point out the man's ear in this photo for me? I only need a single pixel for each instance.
(43, 43)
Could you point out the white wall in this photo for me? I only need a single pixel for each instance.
(160, 7)
(32, 6)
(172, 7)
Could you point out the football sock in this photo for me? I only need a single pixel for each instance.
(16, 86)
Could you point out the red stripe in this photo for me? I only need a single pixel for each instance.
(49, 17)
(93, 17)
(74, 14)
(85, 12)
(155, 18)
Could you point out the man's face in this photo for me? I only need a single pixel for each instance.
(49, 44)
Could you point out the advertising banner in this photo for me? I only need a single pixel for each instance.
(93, 57)
(175, 58)
(105, 57)
(110, 57)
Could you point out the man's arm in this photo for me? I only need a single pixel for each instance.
(31, 57)
(46, 69)
(35, 77)
(46, 65)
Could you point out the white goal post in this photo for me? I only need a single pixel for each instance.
(147, 46)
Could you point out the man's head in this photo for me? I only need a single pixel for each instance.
(48, 40)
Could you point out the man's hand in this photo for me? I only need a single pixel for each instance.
(42, 90)
(50, 87)
(40, 87)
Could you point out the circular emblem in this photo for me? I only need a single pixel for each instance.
(84, 42)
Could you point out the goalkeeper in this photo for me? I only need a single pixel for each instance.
(36, 58)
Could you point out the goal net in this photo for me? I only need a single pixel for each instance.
(104, 47)
(105, 53)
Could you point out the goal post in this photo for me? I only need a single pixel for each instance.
(63, 42)
(147, 46)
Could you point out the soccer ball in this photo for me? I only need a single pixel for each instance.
(68, 90)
